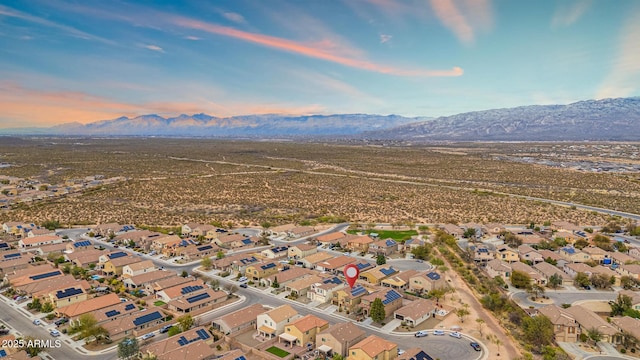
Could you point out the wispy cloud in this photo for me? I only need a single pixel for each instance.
(385, 38)
(624, 77)
(192, 38)
(312, 50)
(568, 13)
(235, 17)
(452, 18)
(153, 48)
(69, 30)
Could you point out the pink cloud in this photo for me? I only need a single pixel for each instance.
(453, 19)
(154, 48)
(385, 38)
(235, 17)
(317, 52)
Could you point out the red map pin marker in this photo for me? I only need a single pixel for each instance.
(351, 272)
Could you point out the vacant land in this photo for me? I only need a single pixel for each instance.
(388, 234)
(172, 181)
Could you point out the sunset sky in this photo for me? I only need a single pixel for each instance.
(65, 61)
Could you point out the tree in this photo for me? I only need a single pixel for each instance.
(627, 282)
(128, 348)
(555, 281)
(174, 330)
(469, 233)
(594, 335)
(582, 280)
(437, 293)
(600, 281)
(86, 325)
(421, 252)
(184, 273)
(580, 244)
(206, 263)
(47, 307)
(32, 347)
(377, 311)
(462, 313)
(275, 284)
(537, 331)
(520, 279)
(381, 259)
(51, 224)
(337, 356)
(185, 322)
(220, 254)
(215, 284)
(603, 242)
(231, 289)
(535, 290)
(551, 261)
(621, 305)
(510, 239)
(480, 324)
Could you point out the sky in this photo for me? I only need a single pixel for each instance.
(88, 60)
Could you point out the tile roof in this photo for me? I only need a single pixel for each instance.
(40, 239)
(281, 313)
(374, 346)
(345, 332)
(417, 309)
(90, 305)
(242, 316)
(309, 322)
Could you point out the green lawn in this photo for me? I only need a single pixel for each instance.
(386, 234)
(159, 303)
(277, 351)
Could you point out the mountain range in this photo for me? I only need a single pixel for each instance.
(608, 119)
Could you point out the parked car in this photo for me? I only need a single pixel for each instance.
(421, 333)
(61, 321)
(147, 336)
(244, 285)
(165, 329)
(456, 335)
(54, 332)
(419, 260)
(4, 331)
(37, 322)
(400, 351)
(243, 279)
(475, 346)
(438, 332)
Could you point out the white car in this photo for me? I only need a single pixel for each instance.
(438, 332)
(243, 279)
(400, 351)
(37, 322)
(147, 336)
(456, 335)
(54, 332)
(421, 333)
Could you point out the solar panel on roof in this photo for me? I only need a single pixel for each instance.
(268, 266)
(390, 297)
(246, 241)
(334, 280)
(45, 275)
(203, 334)
(129, 307)
(147, 318)
(387, 271)
(11, 256)
(198, 297)
(4, 245)
(82, 243)
(119, 254)
(68, 292)
(363, 265)
(358, 290)
(433, 276)
(390, 243)
(182, 341)
(241, 358)
(189, 289)
(112, 313)
(206, 247)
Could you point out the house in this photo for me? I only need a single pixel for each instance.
(66, 296)
(587, 319)
(359, 243)
(47, 249)
(107, 229)
(301, 231)
(627, 325)
(116, 266)
(104, 257)
(338, 338)
(178, 291)
(400, 281)
(619, 258)
(425, 282)
(596, 254)
(193, 344)
(331, 238)
(14, 263)
(452, 229)
(548, 254)
(414, 353)
(74, 310)
(310, 261)
(349, 299)
(529, 254)
(302, 331)
(276, 252)
(42, 289)
(547, 270)
(195, 252)
(135, 325)
(237, 321)
(271, 323)
(373, 348)
(302, 250)
(323, 291)
(391, 299)
(140, 281)
(572, 254)
(635, 252)
(574, 268)
(115, 312)
(79, 245)
(191, 303)
(236, 262)
(286, 276)
(140, 238)
(631, 270)
(383, 247)
(282, 230)
(334, 264)
(37, 241)
(493, 228)
(161, 285)
(32, 274)
(376, 275)
(201, 231)
(535, 276)
(497, 267)
(416, 312)
(232, 241)
(507, 254)
(565, 226)
(166, 245)
(482, 254)
(565, 326)
(258, 271)
(301, 286)
(84, 258)
(138, 268)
